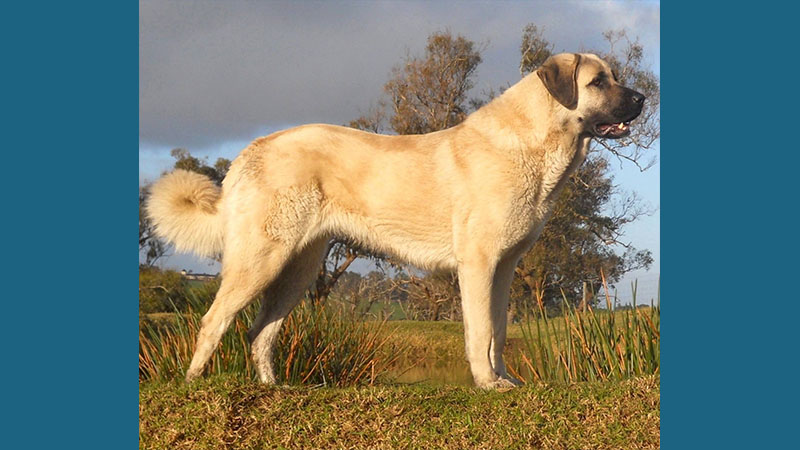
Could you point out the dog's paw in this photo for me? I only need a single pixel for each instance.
(501, 384)
(189, 378)
(192, 375)
(512, 380)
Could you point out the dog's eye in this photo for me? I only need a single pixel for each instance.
(597, 82)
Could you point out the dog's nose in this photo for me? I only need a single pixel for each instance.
(638, 98)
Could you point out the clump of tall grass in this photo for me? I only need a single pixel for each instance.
(589, 345)
(317, 345)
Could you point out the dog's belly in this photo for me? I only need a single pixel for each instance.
(424, 244)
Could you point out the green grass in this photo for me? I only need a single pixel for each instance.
(231, 412)
(430, 340)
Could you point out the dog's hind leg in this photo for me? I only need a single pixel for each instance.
(249, 265)
(280, 298)
(260, 240)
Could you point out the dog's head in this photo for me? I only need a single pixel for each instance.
(587, 87)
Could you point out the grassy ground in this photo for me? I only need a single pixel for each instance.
(441, 410)
(228, 412)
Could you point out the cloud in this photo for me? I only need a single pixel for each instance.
(212, 72)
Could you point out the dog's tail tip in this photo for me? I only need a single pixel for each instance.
(183, 207)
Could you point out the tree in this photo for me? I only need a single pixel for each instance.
(360, 293)
(430, 93)
(431, 296)
(338, 258)
(184, 160)
(588, 222)
(535, 49)
(161, 290)
(373, 121)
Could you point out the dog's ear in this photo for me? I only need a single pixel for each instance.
(560, 77)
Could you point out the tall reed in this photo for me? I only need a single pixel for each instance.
(591, 345)
(317, 345)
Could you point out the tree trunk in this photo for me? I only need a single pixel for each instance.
(436, 307)
(512, 311)
(324, 284)
(585, 299)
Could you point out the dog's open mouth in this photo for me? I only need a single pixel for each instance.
(613, 130)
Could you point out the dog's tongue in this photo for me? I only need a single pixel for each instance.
(612, 127)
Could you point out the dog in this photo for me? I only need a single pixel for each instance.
(472, 199)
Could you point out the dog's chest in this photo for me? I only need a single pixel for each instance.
(543, 179)
(526, 217)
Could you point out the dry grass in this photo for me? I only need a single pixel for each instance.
(316, 346)
(228, 412)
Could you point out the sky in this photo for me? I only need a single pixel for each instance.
(214, 75)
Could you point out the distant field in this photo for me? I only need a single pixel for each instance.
(228, 412)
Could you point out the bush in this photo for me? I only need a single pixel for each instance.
(161, 290)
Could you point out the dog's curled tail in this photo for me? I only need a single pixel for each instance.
(183, 207)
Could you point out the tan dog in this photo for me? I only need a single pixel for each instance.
(472, 198)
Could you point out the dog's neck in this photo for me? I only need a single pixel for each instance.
(535, 131)
(532, 126)
(526, 122)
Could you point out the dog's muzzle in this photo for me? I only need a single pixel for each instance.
(629, 110)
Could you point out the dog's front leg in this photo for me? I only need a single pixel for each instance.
(475, 276)
(501, 287)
